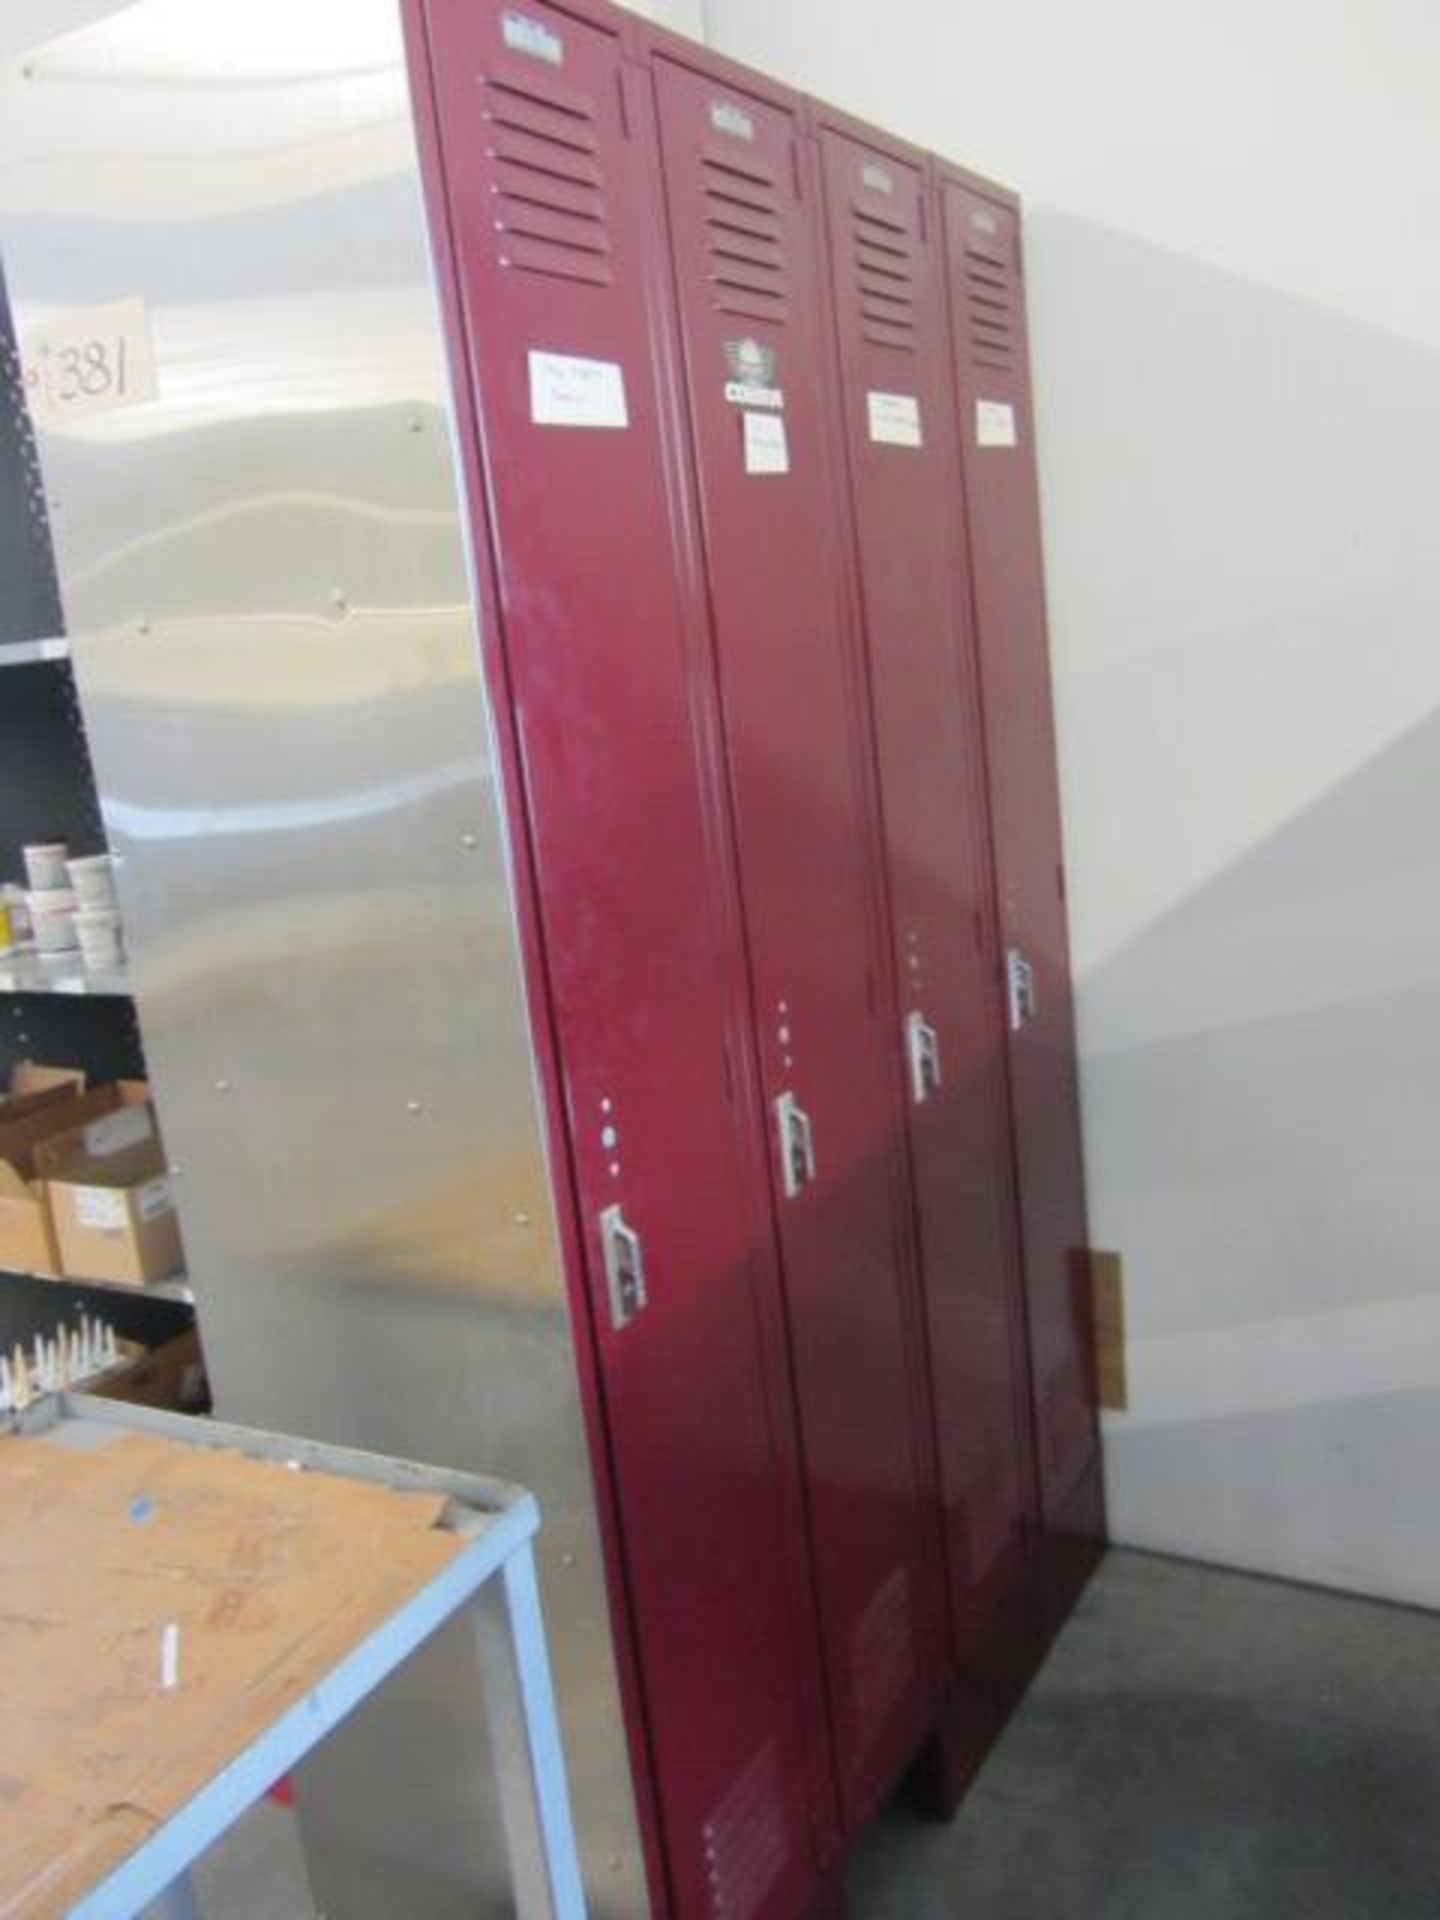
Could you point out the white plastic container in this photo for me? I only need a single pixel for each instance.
(93, 879)
(52, 913)
(102, 945)
(45, 866)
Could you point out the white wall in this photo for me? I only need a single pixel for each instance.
(1235, 298)
(682, 16)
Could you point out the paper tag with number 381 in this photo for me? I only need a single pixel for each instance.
(88, 361)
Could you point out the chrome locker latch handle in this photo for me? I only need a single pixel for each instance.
(797, 1144)
(922, 1049)
(624, 1267)
(1019, 988)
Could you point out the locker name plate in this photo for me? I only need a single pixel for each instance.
(894, 419)
(566, 391)
(766, 449)
(995, 424)
(524, 35)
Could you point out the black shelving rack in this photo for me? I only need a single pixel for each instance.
(53, 1010)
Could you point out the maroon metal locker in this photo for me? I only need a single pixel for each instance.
(746, 246)
(545, 163)
(904, 469)
(987, 309)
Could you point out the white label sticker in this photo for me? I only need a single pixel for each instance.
(741, 394)
(117, 1131)
(100, 1208)
(726, 117)
(155, 1198)
(89, 361)
(894, 419)
(994, 423)
(876, 178)
(570, 392)
(766, 450)
(525, 35)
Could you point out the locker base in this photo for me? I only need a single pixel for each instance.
(830, 1902)
(992, 1683)
(982, 1698)
(1068, 1553)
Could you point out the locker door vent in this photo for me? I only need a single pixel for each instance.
(549, 192)
(743, 234)
(882, 1653)
(744, 1839)
(885, 275)
(990, 304)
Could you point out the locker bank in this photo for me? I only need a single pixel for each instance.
(559, 636)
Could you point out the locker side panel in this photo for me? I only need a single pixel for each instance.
(551, 226)
(747, 264)
(905, 478)
(997, 436)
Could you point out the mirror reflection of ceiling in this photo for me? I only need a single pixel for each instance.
(330, 111)
(28, 24)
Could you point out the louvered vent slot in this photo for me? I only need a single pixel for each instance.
(885, 273)
(549, 192)
(990, 297)
(745, 240)
(745, 1850)
(882, 1653)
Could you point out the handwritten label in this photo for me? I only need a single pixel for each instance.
(994, 423)
(766, 449)
(88, 362)
(894, 419)
(569, 392)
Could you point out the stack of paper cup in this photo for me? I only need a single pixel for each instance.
(101, 943)
(52, 915)
(45, 866)
(51, 900)
(93, 880)
(98, 920)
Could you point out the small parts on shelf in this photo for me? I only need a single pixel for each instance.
(68, 905)
(70, 1357)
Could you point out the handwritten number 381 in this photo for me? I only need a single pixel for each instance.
(91, 370)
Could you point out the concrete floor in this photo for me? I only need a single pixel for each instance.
(1200, 1746)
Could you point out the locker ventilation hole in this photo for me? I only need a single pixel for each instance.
(546, 183)
(744, 237)
(744, 1840)
(882, 1653)
(990, 304)
(885, 275)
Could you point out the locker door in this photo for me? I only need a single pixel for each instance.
(747, 265)
(987, 311)
(905, 478)
(547, 164)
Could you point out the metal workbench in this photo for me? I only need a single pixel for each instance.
(473, 1535)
